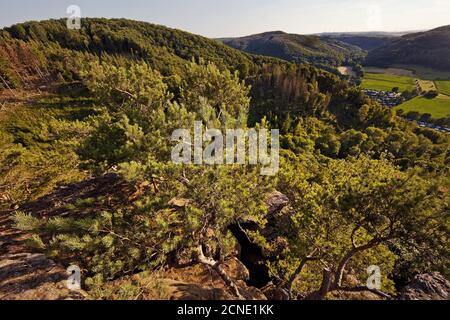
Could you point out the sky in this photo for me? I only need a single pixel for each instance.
(231, 18)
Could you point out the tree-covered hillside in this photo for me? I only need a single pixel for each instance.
(365, 42)
(86, 175)
(323, 52)
(167, 48)
(427, 49)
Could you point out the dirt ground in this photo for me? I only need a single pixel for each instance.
(26, 275)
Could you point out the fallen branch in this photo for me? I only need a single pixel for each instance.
(7, 85)
(362, 289)
(125, 93)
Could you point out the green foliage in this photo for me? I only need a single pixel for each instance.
(353, 172)
(38, 149)
(343, 206)
(133, 135)
(222, 92)
(134, 85)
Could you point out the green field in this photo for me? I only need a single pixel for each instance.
(386, 82)
(438, 107)
(425, 73)
(444, 87)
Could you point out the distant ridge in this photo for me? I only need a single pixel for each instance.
(427, 49)
(297, 48)
(369, 33)
(365, 40)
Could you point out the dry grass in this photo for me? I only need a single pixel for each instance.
(392, 71)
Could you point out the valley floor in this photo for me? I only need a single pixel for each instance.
(405, 78)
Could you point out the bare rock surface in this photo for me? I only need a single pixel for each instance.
(276, 201)
(432, 286)
(201, 283)
(31, 276)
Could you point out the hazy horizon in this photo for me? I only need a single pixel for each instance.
(234, 18)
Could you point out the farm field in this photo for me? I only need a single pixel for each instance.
(426, 73)
(426, 85)
(386, 82)
(444, 87)
(438, 107)
(393, 71)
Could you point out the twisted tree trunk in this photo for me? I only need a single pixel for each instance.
(324, 287)
(215, 265)
(298, 271)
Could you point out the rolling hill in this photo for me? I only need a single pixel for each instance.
(365, 42)
(298, 48)
(426, 49)
(163, 47)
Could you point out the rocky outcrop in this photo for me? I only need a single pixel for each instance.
(236, 270)
(275, 292)
(276, 201)
(29, 276)
(432, 286)
(196, 282)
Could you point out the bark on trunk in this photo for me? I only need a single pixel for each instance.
(341, 268)
(294, 276)
(297, 273)
(324, 287)
(343, 264)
